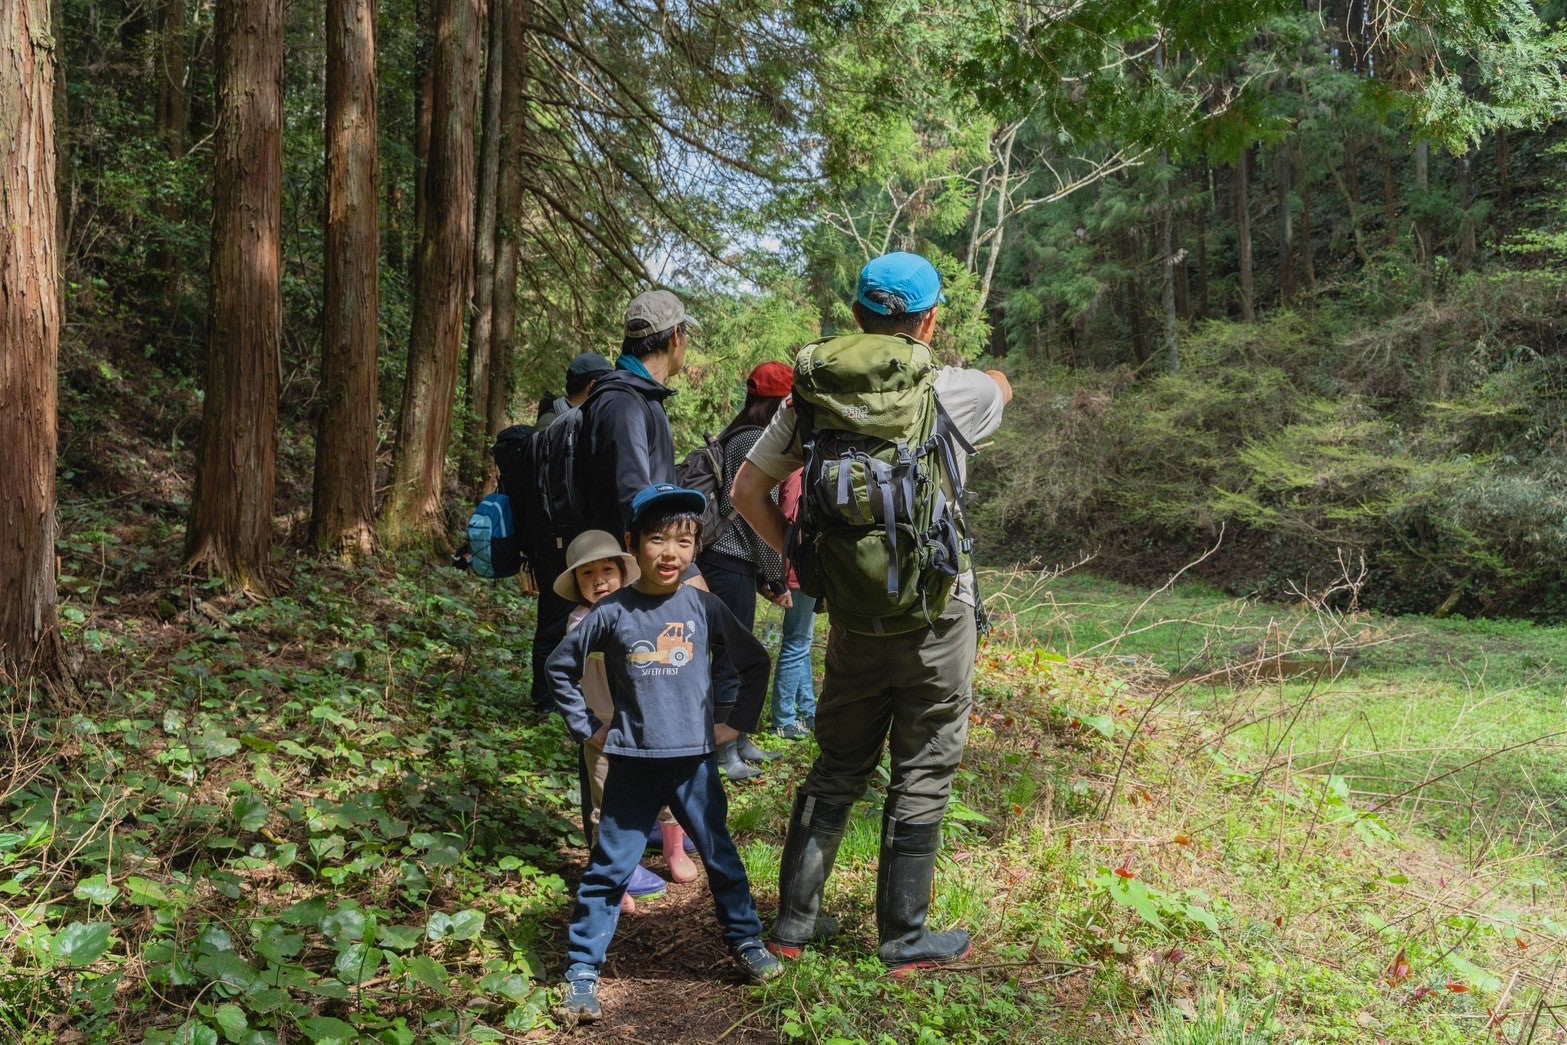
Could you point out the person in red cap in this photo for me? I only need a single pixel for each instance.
(738, 564)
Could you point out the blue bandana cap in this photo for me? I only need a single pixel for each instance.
(669, 494)
(904, 276)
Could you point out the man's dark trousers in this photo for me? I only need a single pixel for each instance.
(554, 613)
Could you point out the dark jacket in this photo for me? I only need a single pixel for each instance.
(629, 444)
(676, 664)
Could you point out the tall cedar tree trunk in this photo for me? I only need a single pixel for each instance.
(1425, 235)
(230, 530)
(1283, 169)
(1172, 344)
(1136, 297)
(1307, 255)
(30, 335)
(425, 58)
(1389, 192)
(343, 507)
(171, 120)
(1204, 205)
(1504, 177)
(509, 216)
(62, 154)
(1241, 187)
(444, 263)
(477, 427)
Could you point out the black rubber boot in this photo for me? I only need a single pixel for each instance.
(815, 831)
(732, 766)
(904, 878)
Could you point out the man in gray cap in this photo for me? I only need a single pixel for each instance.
(629, 444)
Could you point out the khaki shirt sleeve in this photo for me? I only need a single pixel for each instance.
(973, 400)
(778, 451)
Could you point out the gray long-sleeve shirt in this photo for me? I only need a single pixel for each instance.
(676, 664)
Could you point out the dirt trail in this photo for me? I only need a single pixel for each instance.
(669, 979)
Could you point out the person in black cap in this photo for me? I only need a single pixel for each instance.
(582, 373)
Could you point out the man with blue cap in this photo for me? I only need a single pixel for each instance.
(883, 433)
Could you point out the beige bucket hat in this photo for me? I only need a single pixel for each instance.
(591, 546)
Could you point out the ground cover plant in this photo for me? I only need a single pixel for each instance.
(323, 817)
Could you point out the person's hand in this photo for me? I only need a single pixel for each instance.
(597, 739)
(724, 734)
(783, 600)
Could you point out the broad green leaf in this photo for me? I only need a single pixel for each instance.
(1472, 974)
(96, 889)
(251, 812)
(217, 744)
(1131, 893)
(510, 986)
(1104, 725)
(328, 1030)
(276, 944)
(358, 962)
(347, 923)
(146, 893)
(81, 943)
(464, 925)
(442, 850)
(231, 1020)
(228, 969)
(398, 937)
(306, 912)
(429, 972)
(194, 1032)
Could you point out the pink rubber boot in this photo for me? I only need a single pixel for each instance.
(681, 869)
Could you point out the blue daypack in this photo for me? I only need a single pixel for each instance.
(492, 539)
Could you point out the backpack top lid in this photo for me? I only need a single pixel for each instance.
(876, 384)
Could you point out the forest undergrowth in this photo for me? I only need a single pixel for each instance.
(324, 817)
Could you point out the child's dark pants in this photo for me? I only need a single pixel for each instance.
(633, 794)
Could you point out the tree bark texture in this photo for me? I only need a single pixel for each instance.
(444, 264)
(343, 506)
(509, 209)
(1283, 172)
(1172, 344)
(477, 429)
(171, 119)
(29, 339)
(62, 155)
(1243, 237)
(1425, 236)
(230, 531)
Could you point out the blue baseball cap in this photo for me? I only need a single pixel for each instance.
(909, 276)
(665, 494)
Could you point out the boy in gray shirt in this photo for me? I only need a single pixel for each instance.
(678, 662)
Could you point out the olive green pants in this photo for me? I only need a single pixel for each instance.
(909, 694)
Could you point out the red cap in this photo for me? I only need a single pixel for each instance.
(773, 380)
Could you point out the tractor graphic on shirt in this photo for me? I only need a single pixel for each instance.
(672, 647)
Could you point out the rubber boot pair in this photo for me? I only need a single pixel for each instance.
(733, 766)
(904, 880)
(810, 847)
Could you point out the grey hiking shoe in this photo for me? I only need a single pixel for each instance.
(754, 958)
(581, 1001)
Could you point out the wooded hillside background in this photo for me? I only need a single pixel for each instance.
(1286, 273)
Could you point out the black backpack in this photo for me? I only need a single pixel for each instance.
(703, 471)
(557, 491)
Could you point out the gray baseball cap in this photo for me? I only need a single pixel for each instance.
(655, 312)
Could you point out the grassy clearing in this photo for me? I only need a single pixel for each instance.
(323, 818)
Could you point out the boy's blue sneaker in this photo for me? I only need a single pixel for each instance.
(581, 1001)
(645, 885)
(754, 957)
(794, 731)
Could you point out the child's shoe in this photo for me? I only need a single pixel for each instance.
(794, 731)
(752, 956)
(645, 885)
(581, 1001)
(681, 869)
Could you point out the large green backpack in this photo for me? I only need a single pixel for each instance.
(881, 532)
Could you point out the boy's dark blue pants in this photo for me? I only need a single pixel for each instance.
(633, 794)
